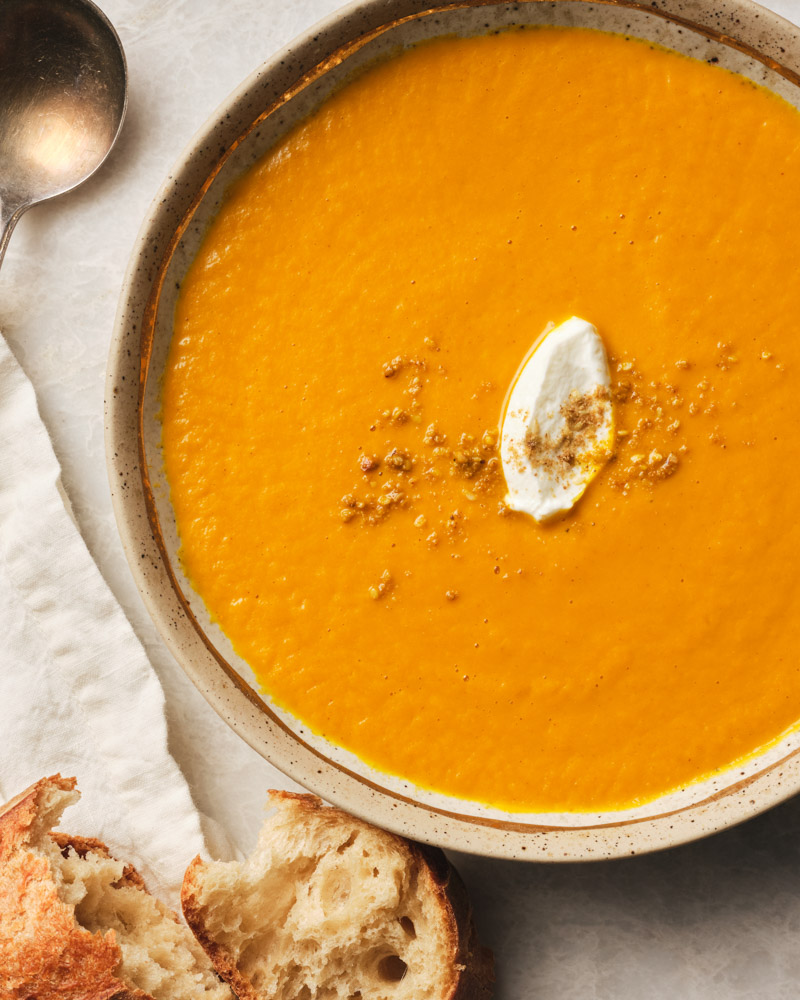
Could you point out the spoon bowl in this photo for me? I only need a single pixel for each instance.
(63, 94)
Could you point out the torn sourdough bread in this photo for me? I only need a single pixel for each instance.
(76, 924)
(328, 906)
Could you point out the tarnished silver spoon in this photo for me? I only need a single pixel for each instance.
(63, 93)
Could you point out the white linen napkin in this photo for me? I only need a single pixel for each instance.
(77, 692)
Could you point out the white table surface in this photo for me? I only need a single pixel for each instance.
(716, 919)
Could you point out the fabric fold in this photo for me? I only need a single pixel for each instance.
(77, 692)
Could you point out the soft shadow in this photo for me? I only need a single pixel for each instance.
(714, 890)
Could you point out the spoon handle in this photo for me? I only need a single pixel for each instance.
(9, 216)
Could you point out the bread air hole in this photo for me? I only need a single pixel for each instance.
(408, 926)
(392, 968)
(348, 843)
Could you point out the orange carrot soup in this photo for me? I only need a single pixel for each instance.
(344, 343)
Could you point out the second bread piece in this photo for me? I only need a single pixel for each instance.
(329, 906)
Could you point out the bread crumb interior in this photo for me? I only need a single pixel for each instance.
(323, 911)
(159, 955)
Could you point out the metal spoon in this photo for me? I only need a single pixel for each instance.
(63, 93)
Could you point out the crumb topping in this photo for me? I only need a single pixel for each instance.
(400, 478)
(648, 447)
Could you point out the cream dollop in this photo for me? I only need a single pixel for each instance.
(558, 425)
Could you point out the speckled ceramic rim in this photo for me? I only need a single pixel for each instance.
(739, 24)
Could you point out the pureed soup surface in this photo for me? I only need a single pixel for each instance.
(344, 342)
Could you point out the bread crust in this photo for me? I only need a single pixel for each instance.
(474, 979)
(470, 964)
(220, 957)
(44, 954)
(84, 845)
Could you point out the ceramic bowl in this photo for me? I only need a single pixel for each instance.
(739, 35)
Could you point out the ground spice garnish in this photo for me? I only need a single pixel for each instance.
(583, 414)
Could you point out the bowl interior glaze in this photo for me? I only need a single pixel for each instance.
(738, 35)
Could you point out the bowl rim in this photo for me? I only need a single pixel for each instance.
(741, 24)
